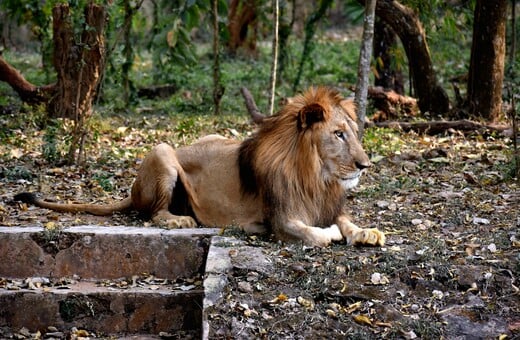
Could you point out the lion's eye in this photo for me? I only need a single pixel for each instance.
(340, 134)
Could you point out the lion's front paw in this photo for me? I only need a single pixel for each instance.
(371, 237)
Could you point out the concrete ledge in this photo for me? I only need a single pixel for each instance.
(96, 252)
(226, 254)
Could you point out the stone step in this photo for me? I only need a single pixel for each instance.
(102, 310)
(94, 277)
(96, 252)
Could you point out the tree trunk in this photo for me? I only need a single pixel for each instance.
(79, 64)
(407, 26)
(274, 61)
(218, 88)
(285, 30)
(130, 9)
(365, 57)
(486, 70)
(388, 74)
(242, 18)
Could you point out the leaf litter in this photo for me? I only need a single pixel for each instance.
(450, 267)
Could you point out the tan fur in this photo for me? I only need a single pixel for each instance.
(289, 178)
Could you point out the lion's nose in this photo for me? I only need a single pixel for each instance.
(363, 165)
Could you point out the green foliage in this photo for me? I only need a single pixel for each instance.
(50, 149)
(186, 127)
(172, 43)
(16, 173)
(354, 11)
(105, 180)
(381, 141)
(308, 43)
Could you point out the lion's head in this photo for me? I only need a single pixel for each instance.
(302, 159)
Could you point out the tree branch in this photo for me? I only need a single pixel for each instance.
(27, 91)
(436, 127)
(255, 114)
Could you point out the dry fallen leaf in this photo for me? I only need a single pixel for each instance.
(280, 298)
(353, 307)
(363, 320)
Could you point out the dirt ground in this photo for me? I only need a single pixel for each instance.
(450, 268)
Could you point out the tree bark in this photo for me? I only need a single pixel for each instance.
(406, 24)
(218, 88)
(310, 29)
(486, 70)
(130, 9)
(365, 56)
(274, 61)
(241, 18)
(79, 64)
(285, 30)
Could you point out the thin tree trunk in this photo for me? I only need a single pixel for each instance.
(285, 30)
(276, 16)
(218, 89)
(365, 57)
(128, 51)
(486, 70)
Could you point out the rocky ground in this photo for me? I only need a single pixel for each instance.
(450, 268)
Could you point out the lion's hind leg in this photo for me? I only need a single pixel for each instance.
(166, 219)
(154, 188)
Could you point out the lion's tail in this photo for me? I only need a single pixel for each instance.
(94, 209)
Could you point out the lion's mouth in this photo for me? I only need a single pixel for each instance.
(351, 176)
(350, 181)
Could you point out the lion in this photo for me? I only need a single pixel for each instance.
(289, 178)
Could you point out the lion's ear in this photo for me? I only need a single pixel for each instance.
(310, 114)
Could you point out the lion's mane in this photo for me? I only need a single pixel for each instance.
(282, 164)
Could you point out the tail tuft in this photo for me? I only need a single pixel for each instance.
(26, 197)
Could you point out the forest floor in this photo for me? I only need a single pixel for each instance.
(450, 267)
